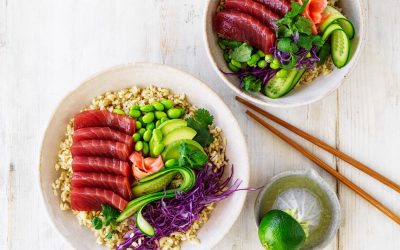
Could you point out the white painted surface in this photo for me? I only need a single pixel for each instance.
(47, 47)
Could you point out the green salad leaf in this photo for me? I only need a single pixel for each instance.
(242, 53)
(199, 122)
(195, 159)
(252, 83)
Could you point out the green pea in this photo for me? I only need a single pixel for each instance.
(118, 111)
(269, 58)
(282, 73)
(158, 106)
(135, 107)
(171, 163)
(147, 108)
(157, 135)
(146, 148)
(233, 67)
(158, 149)
(149, 117)
(158, 123)
(134, 113)
(147, 135)
(167, 103)
(262, 64)
(138, 125)
(236, 64)
(136, 137)
(308, 55)
(141, 131)
(139, 146)
(253, 60)
(150, 126)
(174, 113)
(164, 119)
(260, 53)
(160, 114)
(274, 64)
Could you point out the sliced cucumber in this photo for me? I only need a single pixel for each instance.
(277, 87)
(153, 185)
(328, 31)
(296, 79)
(143, 225)
(335, 16)
(340, 48)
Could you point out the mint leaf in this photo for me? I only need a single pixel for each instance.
(242, 53)
(252, 83)
(97, 223)
(303, 25)
(109, 213)
(287, 45)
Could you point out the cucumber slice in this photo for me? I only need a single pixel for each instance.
(335, 16)
(347, 27)
(328, 31)
(340, 48)
(143, 225)
(277, 87)
(153, 186)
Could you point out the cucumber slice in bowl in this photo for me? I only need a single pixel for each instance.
(328, 31)
(334, 16)
(340, 48)
(279, 86)
(347, 27)
(143, 225)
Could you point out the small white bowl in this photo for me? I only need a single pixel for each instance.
(302, 95)
(142, 75)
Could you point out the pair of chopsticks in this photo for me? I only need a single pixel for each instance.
(321, 163)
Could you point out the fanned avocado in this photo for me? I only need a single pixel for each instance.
(170, 125)
(179, 134)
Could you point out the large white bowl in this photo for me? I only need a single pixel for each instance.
(143, 74)
(305, 94)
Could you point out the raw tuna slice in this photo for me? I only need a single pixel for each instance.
(110, 149)
(91, 199)
(245, 28)
(255, 9)
(104, 118)
(101, 165)
(102, 133)
(280, 7)
(116, 183)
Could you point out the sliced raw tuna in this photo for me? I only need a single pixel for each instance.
(255, 9)
(117, 183)
(104, 118)
(102, 133)
(280, 7)
(91, 199)
(101, 165)
(245, 28)
(103, 148)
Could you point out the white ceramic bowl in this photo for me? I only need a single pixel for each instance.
(142, 74)
(305, 94)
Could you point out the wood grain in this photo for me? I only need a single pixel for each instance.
(48, 47)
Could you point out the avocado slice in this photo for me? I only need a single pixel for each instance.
(178, 134)
(172, 151)
(170, 125)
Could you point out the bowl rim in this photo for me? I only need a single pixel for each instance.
(356, 56)
(245, 179)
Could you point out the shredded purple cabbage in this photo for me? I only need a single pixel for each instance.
(178, 213)
(265, 74)
(303, 62)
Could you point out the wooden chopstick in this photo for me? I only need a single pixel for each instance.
(327, 168)
(325, 146)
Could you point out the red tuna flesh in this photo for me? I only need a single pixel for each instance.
(116, 183)
(255, 9)
(104, 118)
(245, 28)
(102, 133)
(280, 7)
(91, 199)
(101, 165)
(110, 149)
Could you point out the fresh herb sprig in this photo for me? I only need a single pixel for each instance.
(199, 122)
(195, 159)
(110, 214)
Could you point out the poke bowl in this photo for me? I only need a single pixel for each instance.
(283, 53)
(135, 158)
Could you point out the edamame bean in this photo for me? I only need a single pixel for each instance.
(157, 135)
(149, 117)
(147, 135)
(119, 111)
(134, 113)
(164, 119)
(135, 107)
(260, 53)
(171, 163)
(158, 149)
(253, 60)
(150, 126)
(236, 64)
(138, 125)
(269, 58)
(139, 146)
(167, 103)
(158, 123)
(146, 148)
(274, 64)
(182, 112)
(282, 73)
(233, 67)
(174, 113)
(141, 131)
(160, 114)
(158, 106)
(262, 64)
(221, 44)
(136, 137)
(147, 108)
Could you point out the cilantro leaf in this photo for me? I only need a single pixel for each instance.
(287, 45)
(203, 116)
(199, 122)
(109, 213)
(252, 83)
(204, 137)
(110, 234)
(242, 53)
(308, 41)
(291, 64)
(191, 158)
(284, 31)
(97, 223)
(303, 25)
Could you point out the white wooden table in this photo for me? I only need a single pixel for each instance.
(47, 47)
